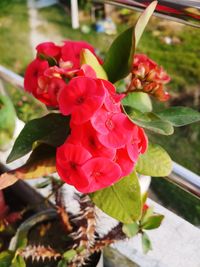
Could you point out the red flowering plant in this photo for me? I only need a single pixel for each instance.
(94, 136)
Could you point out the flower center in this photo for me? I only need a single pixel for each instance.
(96, 175)
(73, 165)
(109, 124)
(80, 100)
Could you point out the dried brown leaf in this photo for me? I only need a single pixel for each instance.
(40, 163)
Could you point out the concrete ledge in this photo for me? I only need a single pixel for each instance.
(175, 244)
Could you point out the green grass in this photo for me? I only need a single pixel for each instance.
(59, 21)
(15, 50)
(16, 53)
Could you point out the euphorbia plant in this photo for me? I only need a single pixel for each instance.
(94, 137)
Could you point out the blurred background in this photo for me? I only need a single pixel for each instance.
(25, 23)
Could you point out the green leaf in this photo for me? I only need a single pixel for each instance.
(143, 21)
(43, 184)
(51, 60)
(153, 222)
(122, 200)
(146, 243)
(130, 230)
(51, 129)
(6, 258)
(147, 214)
(118, 61)
(139, 101)
(18, 261)
(150, 121)
(87, 57)
(155, 162)
(69, 255)
(179, 116)
(62, 263)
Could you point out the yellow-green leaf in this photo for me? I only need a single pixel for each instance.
(87, 57)
(155, 162)
(142, 22)
(122, 200)
(146, 243)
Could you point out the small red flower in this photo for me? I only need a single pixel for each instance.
(69, 159)
(148, 77)
(112, 100)
(86, 135)
(48, 90)
(48, 49)
(145, 208)
(34, 70)
(114, 129)
(81, 98)
(101, 172)
(87, 71)
(124, 161)
(70, 52)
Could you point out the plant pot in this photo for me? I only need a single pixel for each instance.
(54, 240)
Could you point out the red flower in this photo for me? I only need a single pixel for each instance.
(112, 100)
(145, 208)
(114, 129)
(87, 71)
(69, 159)
(55, 62)
(124, 161)
(86, 136)
(48, 49)
(48, 90)
(148, 77)
(138, 144)
(101, 172)
(70, 52)
(81, 98)
(34, 70)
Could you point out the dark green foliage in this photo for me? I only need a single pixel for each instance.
(176, 199)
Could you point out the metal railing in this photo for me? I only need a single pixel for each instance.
(184, 11)
(182, 177)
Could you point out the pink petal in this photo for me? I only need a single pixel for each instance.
(76, 153)
(87, 136)
(88, 71)
(133, 151)
(112, 99)
(120, 129)
(69, 159)
(81, 98)
(86, 111)
(99, 121)
(124, 161)
(102, 172)
(143, 144)
(35, 69)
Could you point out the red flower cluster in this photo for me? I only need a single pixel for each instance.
(47, 74)
(104, 144)
(148, 77)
